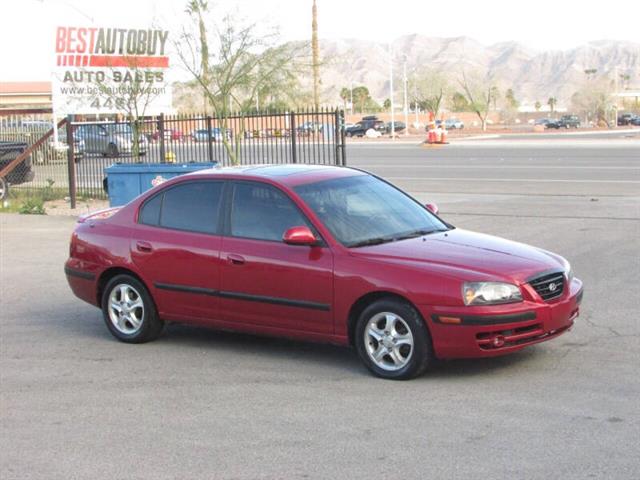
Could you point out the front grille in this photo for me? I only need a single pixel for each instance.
(549, 286)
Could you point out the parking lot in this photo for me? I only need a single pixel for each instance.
(206, 404)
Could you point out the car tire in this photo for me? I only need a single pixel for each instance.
(112, 150)
(129, 311)
(392, 340)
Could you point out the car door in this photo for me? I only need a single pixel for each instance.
(264, 281)
(176, 246)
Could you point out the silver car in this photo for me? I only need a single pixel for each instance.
(110, 139)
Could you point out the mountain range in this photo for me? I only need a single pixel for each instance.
(533, 75)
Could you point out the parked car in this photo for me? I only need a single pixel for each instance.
(51, 151)
(569, 121)
(548, 123)
(627, 119)
(170, 134)
(21, 173)
(635, 120)
(110, 139)
(398, 126)
(322, 253)
(361, 127)
(453, 124)
(202, 134)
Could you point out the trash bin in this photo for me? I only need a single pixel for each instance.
(125, 181)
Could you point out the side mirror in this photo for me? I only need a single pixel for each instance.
(299, 236)
(432, 207)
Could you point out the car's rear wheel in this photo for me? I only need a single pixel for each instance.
(112, 150)
(392, 340)
(129, 311)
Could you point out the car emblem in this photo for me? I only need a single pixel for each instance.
(552, 287)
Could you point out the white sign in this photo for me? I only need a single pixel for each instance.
(111, 70)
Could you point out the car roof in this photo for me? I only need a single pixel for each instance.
(287, 174)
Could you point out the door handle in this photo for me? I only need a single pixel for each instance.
(235, 259)
(143, 246)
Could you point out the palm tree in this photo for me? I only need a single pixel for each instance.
(197, 8)
(552, 103)
(345, 93)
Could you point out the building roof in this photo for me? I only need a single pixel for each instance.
(25, 88)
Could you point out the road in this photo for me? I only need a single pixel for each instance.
(205, 404)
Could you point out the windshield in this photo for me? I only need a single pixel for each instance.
(363, 210)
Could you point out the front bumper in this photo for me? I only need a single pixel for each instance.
(497, 330)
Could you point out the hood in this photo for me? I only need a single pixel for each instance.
(467, 255)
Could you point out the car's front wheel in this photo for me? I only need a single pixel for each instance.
(392, 340)
(129, 311)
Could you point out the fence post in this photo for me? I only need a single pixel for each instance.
(209, 139)
(71, 162)
(294, 148)
(162, 146)
(341, 148)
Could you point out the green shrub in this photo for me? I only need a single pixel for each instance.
(32, 206)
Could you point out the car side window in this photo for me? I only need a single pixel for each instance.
(150, 211)
(263, 212)
(192, 206)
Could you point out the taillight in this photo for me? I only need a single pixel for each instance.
(99, 215)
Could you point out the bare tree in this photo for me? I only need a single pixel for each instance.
(315, 55)
(430, 88)
(241, 63)
(595, 100)
(478, 92)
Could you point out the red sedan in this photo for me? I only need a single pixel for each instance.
(319, 253)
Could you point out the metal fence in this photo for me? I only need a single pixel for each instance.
(313, 137)
(45, 169)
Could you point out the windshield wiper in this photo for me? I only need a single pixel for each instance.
(371, 241)
(395, 238)
(419, 233)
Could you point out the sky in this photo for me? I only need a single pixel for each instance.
(27, 33)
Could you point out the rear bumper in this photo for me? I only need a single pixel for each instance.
(82, 280)
(501, 329)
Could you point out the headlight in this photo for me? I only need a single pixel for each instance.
(490, 293)
(569, 272)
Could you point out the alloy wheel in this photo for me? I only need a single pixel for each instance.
(126, 309)
(388, 341)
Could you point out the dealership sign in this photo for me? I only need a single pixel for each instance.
(111, 70)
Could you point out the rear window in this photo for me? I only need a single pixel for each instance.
(192, 206)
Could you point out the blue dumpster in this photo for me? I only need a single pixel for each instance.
(125, 181)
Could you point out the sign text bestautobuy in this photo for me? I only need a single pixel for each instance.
(118, 60)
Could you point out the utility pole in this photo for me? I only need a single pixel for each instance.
(615, 105)
(406, 100)
(415, 97)
(314, 53)
(393, 126)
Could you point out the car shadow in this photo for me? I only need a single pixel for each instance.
(268, 347)
(334, 356)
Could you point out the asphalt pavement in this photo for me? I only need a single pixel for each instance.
(199, 403)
